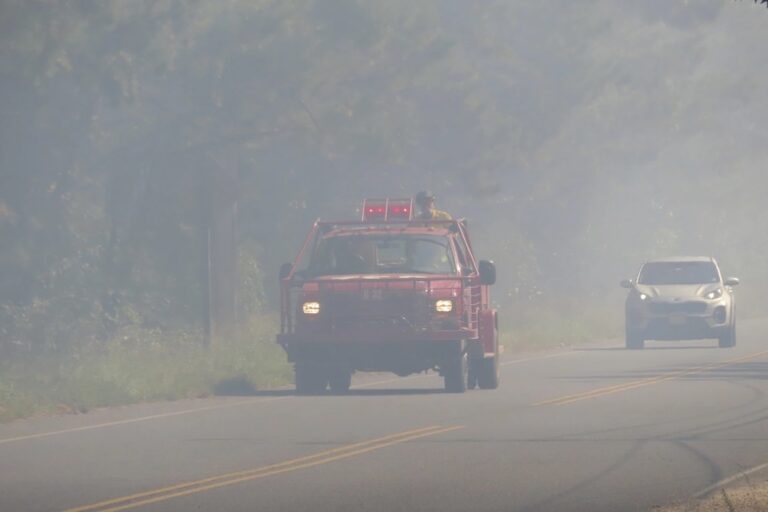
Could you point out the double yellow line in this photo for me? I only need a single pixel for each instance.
(207, 484)
(618, 388)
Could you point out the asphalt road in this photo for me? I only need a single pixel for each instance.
(595, 429)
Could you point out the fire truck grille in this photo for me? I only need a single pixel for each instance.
(384, 309)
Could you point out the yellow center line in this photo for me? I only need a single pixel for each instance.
(626, 386)
(246, 472)
(193, 487)
(538, 358)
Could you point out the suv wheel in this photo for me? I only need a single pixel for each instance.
(729, 338)
(634, 342)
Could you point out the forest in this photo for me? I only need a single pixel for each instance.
(577, 138)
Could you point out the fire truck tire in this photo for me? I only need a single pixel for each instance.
(456, 374)
(472, 376)
(488, 373)
(310, 380)
(340, 380)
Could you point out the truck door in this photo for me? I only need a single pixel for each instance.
(472, 290)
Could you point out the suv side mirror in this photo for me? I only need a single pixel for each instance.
(285, 270)
(732, 281)
(487, 272)
(627, 283)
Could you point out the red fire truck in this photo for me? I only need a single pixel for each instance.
(389, 293)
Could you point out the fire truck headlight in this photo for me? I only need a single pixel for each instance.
(311, 308)
(444, 306)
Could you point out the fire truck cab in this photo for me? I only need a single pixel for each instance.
(389, 293)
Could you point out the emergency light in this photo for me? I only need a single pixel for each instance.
(387, 209)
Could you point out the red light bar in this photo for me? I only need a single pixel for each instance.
(375, 212)
(387, 209)
(399, 209)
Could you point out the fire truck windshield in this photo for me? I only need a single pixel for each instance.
(353, 254)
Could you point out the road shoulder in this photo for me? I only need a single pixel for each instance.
(747, 494)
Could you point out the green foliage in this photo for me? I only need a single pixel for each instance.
(578, 140)
(142, 365)
(547, 323)
(251, 292)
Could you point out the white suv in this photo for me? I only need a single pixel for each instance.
(680, 299)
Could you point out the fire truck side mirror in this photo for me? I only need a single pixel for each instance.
(285, 270)
(487, 272)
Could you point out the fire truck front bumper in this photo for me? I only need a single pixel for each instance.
(402, 355)
(364, 337)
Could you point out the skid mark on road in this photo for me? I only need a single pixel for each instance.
(207, 484)
(627, 386)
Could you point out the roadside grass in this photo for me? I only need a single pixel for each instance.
(142, 365)
(560, 325)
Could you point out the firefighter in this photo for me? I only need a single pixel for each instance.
(425, 201)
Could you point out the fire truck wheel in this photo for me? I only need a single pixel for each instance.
(472, 375)
(488, 373)
(340, 380)
(310, 380)
(456, 374)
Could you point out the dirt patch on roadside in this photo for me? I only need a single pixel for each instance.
(749, 498)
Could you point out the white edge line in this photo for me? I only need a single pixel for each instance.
(231, 404)
(730, 480)
(136, 420)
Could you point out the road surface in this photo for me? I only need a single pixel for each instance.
(593, 429)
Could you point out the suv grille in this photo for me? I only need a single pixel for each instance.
(666, 308)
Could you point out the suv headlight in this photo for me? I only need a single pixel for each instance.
(311, 308)
(444, 306)
(644, 296)
(714, 294)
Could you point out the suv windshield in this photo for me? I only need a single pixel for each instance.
(382, 254)
(679, 272)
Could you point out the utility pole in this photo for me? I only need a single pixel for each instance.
(220, 272)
